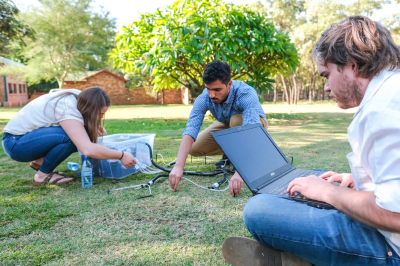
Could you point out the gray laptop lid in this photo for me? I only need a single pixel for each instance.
(254, 154)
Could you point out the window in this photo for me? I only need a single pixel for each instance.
(15, 88)
(20, 88)
(24, 87)
(10, 88)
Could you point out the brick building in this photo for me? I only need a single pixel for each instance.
(13, 91)
(114, 85)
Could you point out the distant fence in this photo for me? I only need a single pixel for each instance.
(319, 95)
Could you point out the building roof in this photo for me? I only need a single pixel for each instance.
(7, 62)
(83, 76)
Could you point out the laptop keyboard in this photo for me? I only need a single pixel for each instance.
(282, 190)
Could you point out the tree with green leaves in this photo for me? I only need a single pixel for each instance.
(284, 14)
(70, 38)
(175, 44)
(11, 27)
(393, 23)
(304, 21)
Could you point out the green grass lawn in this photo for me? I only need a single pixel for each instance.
(69, 225)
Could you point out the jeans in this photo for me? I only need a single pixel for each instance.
(49, 142)
(322, 237)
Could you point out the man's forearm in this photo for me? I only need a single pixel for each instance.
(361, 206)
(184, 148)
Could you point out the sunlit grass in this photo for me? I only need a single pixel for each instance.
(69, 225)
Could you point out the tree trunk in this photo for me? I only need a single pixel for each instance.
(157, 97)
(323, 91)
(60, 82)
(313, 81)
(299, 91)
(274, 94)
(286, 91)
(163, 97)
(291, 91)
(295, 89)
(311, 89)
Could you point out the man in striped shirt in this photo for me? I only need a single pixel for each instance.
(232, 103)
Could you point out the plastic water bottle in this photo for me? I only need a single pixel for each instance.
(72, 166)
(86, 173)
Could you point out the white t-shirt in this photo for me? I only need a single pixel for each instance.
(45, 111)
(374, 136)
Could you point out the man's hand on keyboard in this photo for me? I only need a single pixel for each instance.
(345, 179)
(312, 187)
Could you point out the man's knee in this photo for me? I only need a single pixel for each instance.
(236, 120)
(194, 152)
(197, 152)
(264, 122)
(254, 208)
(198, 146)
(264, 208)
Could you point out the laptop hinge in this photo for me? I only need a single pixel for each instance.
(272, 180)
(255, 191)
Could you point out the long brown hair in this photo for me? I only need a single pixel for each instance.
(90, 102)
(361, 39)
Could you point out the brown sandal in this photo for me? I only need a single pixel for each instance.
(47, 180)
(34, 166)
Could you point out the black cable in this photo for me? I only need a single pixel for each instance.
(184, 172)
(217, 184)
(171, 164)
(151, 182)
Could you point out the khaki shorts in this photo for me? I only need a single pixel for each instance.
(205, 144)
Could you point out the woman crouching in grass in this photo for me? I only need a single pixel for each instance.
(52, 127)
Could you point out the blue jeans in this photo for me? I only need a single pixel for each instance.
(322, 237)
(49, 142)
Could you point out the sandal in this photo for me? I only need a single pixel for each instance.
(34, 166)
(47, 180)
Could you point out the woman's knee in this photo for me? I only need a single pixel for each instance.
(71, 145)
(66, 141)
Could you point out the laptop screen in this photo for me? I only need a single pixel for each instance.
(253, 153)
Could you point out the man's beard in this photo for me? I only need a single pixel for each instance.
(348, 94)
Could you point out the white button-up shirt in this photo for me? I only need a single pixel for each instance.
(374, 136)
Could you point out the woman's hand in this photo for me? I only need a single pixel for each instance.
(102, 131)
(128, 160)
